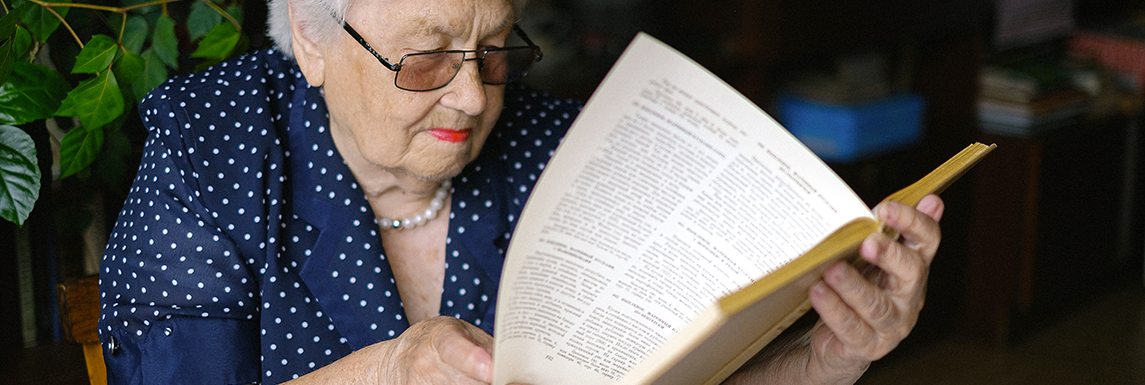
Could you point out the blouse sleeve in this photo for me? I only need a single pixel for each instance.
(179, 305)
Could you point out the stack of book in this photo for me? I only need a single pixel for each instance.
(1028, 97)
(1118, 49)
(1118, 46)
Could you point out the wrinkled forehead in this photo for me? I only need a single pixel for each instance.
(424, 17)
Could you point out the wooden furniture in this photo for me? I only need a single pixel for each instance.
(1049, 227)
(79, 315)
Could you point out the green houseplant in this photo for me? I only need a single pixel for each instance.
(79, 69)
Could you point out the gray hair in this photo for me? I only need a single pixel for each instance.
(320, 20)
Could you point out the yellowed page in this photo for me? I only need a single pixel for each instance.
(670, 191)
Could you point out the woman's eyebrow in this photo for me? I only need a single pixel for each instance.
(505, 24)
(426, 26)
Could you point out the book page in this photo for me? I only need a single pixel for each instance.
(670, 190)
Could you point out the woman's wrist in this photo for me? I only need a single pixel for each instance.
(784, 361)
(360, 367)
(824, 367)
(791, 359)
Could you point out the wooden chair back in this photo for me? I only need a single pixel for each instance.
(79, 314)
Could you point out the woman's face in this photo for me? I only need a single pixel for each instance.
(428, 135)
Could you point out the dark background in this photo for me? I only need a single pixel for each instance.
(1031, 236)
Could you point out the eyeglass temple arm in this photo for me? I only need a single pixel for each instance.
(346, 26)
(521, 33)
(392, 67)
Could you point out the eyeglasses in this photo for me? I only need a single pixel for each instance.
(428, 71)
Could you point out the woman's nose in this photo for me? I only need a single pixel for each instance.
(466, 92)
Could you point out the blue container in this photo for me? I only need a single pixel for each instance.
(849, 132)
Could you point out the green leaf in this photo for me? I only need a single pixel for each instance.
(67, 108)
(7, 59)
(8, 25)
(154, 74)
(128, 67)
(33, 92)
(96, 101)
(111, 164)
(219, 43)
(96, 56)
(39, 21)
(19, 174)
(78, 148)
(164, 42)
(201, 20)
(236, 11)
(8, 53)
(135, 33)
(23, 42)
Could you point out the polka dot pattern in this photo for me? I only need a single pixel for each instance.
(243, 212)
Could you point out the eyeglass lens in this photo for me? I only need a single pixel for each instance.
(432, 70)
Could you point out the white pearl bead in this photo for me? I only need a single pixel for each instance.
(429, 214)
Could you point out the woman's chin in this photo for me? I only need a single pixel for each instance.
(429, 161)
(436, 173)
(448, 160)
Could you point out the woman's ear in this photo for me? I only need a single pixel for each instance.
(306, 53)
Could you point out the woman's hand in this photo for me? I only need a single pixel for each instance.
(862, 315)
(865, 316)
(439, 350)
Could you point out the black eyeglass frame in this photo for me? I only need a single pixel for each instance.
(479, 56)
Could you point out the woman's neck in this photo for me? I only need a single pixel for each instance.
(391, 193)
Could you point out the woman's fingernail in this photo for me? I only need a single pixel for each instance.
(820, 287)
(890, 211)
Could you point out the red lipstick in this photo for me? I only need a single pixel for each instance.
(449, 135)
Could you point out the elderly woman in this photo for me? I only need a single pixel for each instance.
(298, 214)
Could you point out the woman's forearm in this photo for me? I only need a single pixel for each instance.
(789, 360)
(359, 367)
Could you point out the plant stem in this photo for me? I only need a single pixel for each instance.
(35, 50)
(102, 7)
(62, 21)
(74, 5)
(120, 10)
(122, 28)
(224, 13)
(148, 4)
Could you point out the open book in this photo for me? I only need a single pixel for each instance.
(676, 231)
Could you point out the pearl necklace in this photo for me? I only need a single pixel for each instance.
(427, 215)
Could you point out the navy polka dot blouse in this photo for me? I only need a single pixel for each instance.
(246, 251)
